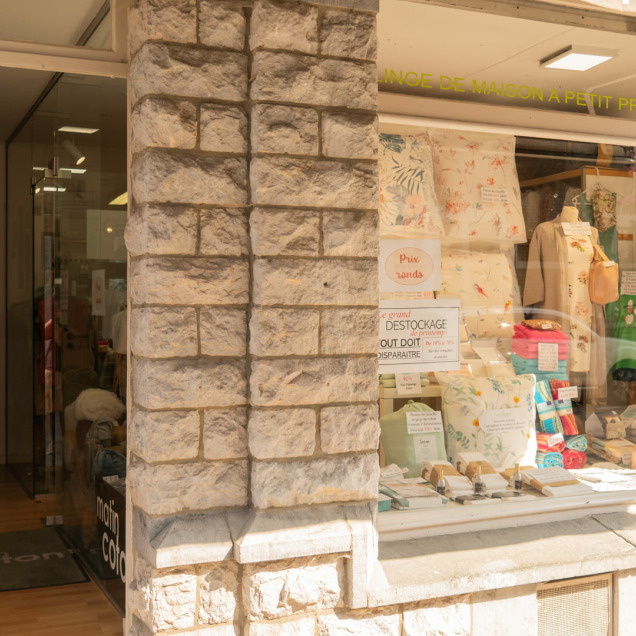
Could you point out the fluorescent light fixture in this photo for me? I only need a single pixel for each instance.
(122, 199)
(53, 189)
(577, 58)
(71, 170)
(625, 1)
(74, 152)
(78, 129)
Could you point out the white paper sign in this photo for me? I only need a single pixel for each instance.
(498, 420)
(548, 356)
(424, 422)
(555, 439)
(579, 228)
(425, 447)
(409, 266)
(568, 393)
(494, 195)
(408, 383)
(628, 282)
(419, 335)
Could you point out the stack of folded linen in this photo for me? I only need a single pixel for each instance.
(525, 351)
(564, 408)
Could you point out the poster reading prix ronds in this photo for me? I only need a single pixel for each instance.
(419, 335)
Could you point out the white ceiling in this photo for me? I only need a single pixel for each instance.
(484, 47)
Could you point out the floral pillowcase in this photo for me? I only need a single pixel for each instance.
(504, 437)
(477, 185)
(408, 204)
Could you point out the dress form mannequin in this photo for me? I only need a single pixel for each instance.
(569, 214)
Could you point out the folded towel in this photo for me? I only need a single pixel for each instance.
(550, 442)
(546, 460)
(576, 442)
(564, 411)
(530, 350)
(524, 365)
(574, 458)
(540, 335)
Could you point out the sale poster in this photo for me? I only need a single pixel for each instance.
(408, 266)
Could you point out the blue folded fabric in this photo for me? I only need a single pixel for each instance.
(523, 365)
(549, 459)
(576, 442)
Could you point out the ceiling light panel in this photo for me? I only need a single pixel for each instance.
(78, 129)
(578, 58)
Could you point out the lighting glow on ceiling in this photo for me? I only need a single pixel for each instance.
(78, 129)
(578, 58)
(122, 199)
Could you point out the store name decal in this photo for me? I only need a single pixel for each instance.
(504, 89)
(112, 554)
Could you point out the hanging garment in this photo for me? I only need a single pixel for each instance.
(624, 353)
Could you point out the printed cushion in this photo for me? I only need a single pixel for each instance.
(487, 285)
(408, 204)
(477, 184)
(504, 438)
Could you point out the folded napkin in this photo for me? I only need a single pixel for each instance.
(546, 460)
(530, 350)
(540, 335)
(550, 442)
(574, 458)
(576, 442)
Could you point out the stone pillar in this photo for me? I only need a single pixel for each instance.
(253, 286)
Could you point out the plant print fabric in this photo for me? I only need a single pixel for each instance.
(477, 185)
(580, 255)
(464, 402)
(408, 204)
(487, 285)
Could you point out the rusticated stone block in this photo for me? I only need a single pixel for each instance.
(177, 384)
(161, 436)
(166, 69)
(280, 332)
(163, 123)
(172, 177)
(284, 130)
(164, 489)
(284, 25)
(313, 183)
(218, 590)
(192, 281)
(221, 24)
(160, 332)
(223, 129)
(350, 136)
(282, 433)
(161, 230)
(283, 588)
(224, 232)
(304, 79)
(223, 332)
(350, 233)
(313, 381)
(224, 434)
(345, 331)
(298, 627)
(348, 34)
(315, 282)
(360, 623)
(317, 481)
(285, 232)
(349, 428)
(443, 617)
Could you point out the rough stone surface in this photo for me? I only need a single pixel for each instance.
(297, 627)
(284, 130)
(163, 489)
(282, 433)
(224, 434)
(189, 281)
(350, 233)
(281, 332)
(445, 617)
(160, 69)
(315, 282)
(163, 599)
(175, 384)
(224, 232)
(172, 177)
(172, 21)
(285, 232)
(348, 34)
(163, 123)
(313, 183)
(303, 79)
(359, 624)
(502, 612)
(223, 332)
(349, 428)
(285, 587)
(218, 591)
(160, 436)
(161, 230)
(350, 136)
(337, 325)
(221, 25)
(163, 332)
(223, 129)
(138, 628)
(295, 382)
(284, 25)
(318, 481)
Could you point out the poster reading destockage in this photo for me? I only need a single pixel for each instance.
(419, 335)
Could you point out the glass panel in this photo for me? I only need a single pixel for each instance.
(54, 22)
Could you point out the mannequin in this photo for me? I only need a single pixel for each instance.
(569, 214)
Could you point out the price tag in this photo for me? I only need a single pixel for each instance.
(546, 325)
(609, 263)
(555, 439)
(548, 356)
(494, 195)
(568, 393)
(576, 229)
(424, 422)
(628, 282)
(498, 420)
(408, 383)
(425, 447)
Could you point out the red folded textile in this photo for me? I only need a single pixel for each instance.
(540, 335)
(530, 350)
(574, 458)
(555, 385)
(546, 442)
